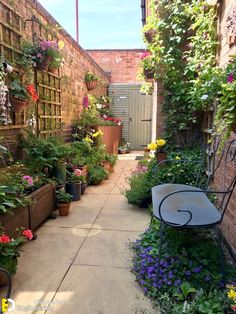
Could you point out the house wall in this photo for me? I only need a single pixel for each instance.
(229, 223)
(123, 65)
(77, 62)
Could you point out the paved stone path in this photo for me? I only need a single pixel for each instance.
(80, 264)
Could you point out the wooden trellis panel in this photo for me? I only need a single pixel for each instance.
(49, 107)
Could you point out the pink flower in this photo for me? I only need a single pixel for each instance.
(78, 172)
(230, 78)
(85, 102)
(233, 307)
(28, 234)
(29, 180)
(144, 55)
(39, 55)
(4, 238)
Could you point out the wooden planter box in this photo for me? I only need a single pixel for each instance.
(111, 137)
(20, 218)
(42, 206)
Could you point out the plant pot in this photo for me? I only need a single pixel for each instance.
(91, 85)
(161, 156)
(122, 150)
(112, 168)
(63, 208)
(18, 104)
(148, 73)
(83, 188)
(43, 205)
(149, 35)
(74, 189)
(59, 172)
(18, 218)
(7, 68)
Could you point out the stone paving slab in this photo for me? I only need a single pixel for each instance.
(80, 264)
(100, 290)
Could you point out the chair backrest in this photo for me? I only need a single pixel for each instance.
(224, 170)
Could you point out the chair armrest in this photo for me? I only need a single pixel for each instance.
(186, 210)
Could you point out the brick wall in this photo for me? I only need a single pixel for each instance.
(122, 64)
(229, 222)
(77, 62)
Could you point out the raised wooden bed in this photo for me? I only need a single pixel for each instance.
(111, 137)
(18, 218)
(43, 205)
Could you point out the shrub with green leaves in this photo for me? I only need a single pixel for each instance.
(96, 175)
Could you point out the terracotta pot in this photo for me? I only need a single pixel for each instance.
(63, 208)
(161, 157)
(149, 74)
(18, 104)
(149, 35)
(91, 85)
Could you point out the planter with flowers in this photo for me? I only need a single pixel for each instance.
(63, 201)
(45, 54)
(74, 184)
(157, 148)
(20, 96)
(90, 80)
(148, 65)
(10, 250)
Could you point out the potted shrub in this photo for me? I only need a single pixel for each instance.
(90, 80)
(73, 184)
(111, 159)
(63, 201)
(97, 174)
(18, 96)
(10, 251)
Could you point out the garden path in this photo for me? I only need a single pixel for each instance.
(80, 264)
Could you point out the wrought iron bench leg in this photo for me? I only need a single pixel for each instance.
(221, 254)
(159, 250)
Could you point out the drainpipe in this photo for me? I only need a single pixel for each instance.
(154, 113)
(77, 20)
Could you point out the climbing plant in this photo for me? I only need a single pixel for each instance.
(184, 48)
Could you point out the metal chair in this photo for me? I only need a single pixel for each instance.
(9, 286)
(185, 206)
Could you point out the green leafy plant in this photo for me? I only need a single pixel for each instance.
(90, 77)
(96, 175)
(146, 88)
(63, 197)
(17, 90)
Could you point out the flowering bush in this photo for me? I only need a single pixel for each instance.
(188, 274)
(139, 169)
(76, 176)
(10, 248)
(157, 146)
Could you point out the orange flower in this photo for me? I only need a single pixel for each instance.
(31, 90)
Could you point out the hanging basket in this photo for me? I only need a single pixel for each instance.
(148, 73)
(149, 35)
(18, 104)
(43, 66)
(91, 84)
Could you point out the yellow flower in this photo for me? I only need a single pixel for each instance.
(231, 294)
(88, 140)
(98, 133)
(161, 142)
(177, 158)
(61, 44)
(152, 146)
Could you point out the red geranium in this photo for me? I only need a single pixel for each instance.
(4, 238)
(31, 90)
(28, 234)
(116, 121)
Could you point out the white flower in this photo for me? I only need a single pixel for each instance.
(99, 106)
(204, 97)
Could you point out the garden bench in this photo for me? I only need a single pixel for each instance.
(185, 206)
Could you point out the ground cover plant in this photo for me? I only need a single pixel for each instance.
(190, 280)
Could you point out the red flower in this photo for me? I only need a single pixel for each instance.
(31, 90)
(233, 307)
(4, 238)
(28, 234)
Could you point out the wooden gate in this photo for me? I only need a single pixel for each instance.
(135, 111)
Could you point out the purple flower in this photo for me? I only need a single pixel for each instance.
(177, 282)
(207, 278)
(230, 78)
(29, 180)
(197, 270)
(188, 273)
(85, 102)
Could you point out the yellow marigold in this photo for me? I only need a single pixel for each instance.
(152, 146)
(88, 140)
(177, 158)
(231, 294)
(61, 44)
(98, 133)
(161, 142)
